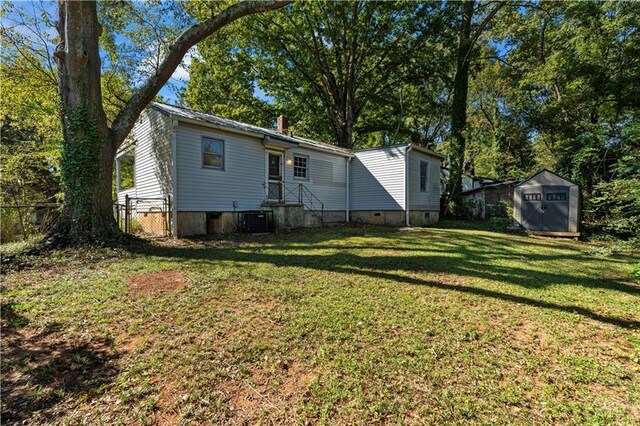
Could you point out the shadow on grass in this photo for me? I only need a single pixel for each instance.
(458, 254)
(40, 369)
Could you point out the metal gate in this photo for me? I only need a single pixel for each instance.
(149, 217)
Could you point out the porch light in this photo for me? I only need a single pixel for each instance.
(289, 161)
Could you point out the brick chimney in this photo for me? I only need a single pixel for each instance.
(283, 125)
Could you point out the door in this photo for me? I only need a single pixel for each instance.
(274, 176)
(532, 209)
(556, 208)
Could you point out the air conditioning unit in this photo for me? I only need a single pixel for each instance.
(256, 221)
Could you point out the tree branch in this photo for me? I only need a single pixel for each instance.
(126, 118)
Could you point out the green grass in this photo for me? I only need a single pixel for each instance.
(352, 325)
(14, 247)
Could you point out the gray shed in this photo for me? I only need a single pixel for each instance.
(547, 204)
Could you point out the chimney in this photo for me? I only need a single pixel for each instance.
(283, 125)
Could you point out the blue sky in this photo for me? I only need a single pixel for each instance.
(169, 92)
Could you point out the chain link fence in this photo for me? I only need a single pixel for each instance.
(147, 217)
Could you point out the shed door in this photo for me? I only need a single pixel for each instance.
(556, 208)
(532, 209)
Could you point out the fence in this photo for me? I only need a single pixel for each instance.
(149, 217)
(22, 221)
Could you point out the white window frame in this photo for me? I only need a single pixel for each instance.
(306, 168)
(202, 151)
(424, 179)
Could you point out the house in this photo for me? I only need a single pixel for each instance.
(221, 175)
(548, 204)
(469, 181)
(489, 200)
(395, 185)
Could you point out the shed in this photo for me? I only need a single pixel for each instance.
(548, 204)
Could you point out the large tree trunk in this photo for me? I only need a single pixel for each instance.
(88, 149)
(459, 109)
(90, 144)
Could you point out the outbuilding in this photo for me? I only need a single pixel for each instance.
(548, 204)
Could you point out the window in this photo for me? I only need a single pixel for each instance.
(127, 167)
(556, 196)
(533, 197)
(424, 176)
(300, 167)
(213, 153)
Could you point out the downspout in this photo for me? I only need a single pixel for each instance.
(348, 165)
(406, 187)
(174, 180)
(118, 178)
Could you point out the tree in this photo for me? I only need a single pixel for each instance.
(327, 64)
(468, 34)
(90, 143)
(499, 141)
(577, 75)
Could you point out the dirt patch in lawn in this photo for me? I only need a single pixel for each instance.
(267, 395)
(157, 281)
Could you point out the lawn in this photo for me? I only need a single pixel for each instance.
(350, 325)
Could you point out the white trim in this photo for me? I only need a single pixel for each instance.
(346, 209)
(406, 186)
(202, 152)
(174, 180)
(266, 174)
(307, 167)
(118, 186)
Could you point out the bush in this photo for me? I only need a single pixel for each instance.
(616, 207)
(636, 272)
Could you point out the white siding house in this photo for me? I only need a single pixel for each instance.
(149, 145)
(213, 169)
(385, 180)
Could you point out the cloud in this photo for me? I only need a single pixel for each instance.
(182, 72)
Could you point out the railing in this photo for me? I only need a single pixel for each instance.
(311, 202)
(299, 194)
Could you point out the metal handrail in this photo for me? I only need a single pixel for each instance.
(305, 198)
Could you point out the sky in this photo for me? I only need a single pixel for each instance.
(33, 10)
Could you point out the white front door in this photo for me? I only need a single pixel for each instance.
(274, 176)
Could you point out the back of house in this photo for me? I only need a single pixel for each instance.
(218, 175)
(396, 185)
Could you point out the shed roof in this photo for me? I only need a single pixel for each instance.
(545, 171)
(506, 183)
(236, 126)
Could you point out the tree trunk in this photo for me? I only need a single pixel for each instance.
(346, 136)
(459, 109)
(88, 151)
(89, 144)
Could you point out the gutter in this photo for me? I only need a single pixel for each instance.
(174, 180)
(406, 186)
(347, 210)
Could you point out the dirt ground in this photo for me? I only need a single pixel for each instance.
(156, 281)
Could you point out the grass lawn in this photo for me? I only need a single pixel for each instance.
(352, 325)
